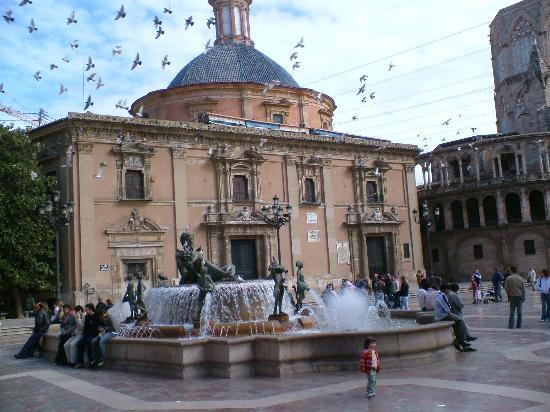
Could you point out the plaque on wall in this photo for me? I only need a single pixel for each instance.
(342, 251)
(103, 268)
(311, 217)
(313, 235)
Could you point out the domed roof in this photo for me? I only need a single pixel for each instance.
(232, 63)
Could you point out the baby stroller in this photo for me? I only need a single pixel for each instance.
(490, 296)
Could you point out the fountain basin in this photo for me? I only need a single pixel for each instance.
(276, 355)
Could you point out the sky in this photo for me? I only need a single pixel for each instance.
(439, 48)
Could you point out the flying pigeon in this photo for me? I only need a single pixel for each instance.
(62, 89)
(208, 45)
(262, 142)
(99, 174)
(271, 85)
(474, 129)
(32, 26)
(391, 66)
(372, 95)
(319, 96)
(88, 103)
(2, 88)
(446, 122)
(25, 2)
(71, 19)
(66, 59)
(296, 65)
(99, 83)
(300, 43)
(364, 99)
(294, 56)
(91, 77)
(458, 132)
(53, 66)
(122, 104)
(189, 22)
(210, 21)
(211, 151)
(37, 76)
(361, 90)
(117, 51)
(363, 78)
(74, 44)
(167, 10)
(121, 13)
(354, 118)
(7, 17)
(157, 22)
(140, 113)
(90, 64)
(160, 32)
(165, 62)
(459, 148)
(136, 62)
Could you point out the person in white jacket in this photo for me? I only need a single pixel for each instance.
(543, 286)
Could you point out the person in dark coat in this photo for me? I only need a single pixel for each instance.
(41, 325)
(88, 334)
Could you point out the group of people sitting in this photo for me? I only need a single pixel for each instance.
(89, 327)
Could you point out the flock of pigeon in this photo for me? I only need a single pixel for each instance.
(92, 76)
(363, 88)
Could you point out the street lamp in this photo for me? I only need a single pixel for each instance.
(425, 222)
(273, 215)
(59, 216)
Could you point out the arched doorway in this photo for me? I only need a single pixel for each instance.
(513, 208)
(457, 215)
(490, 212)
(472, 208)
(536, 204)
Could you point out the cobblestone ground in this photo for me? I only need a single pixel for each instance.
(509, 372)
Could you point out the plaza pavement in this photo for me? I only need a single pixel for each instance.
(509, 372)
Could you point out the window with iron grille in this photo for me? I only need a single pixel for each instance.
(406, 251)
(240, 189)
(529, 247)
(309, 191)
(372, 192)
(134, 184)
(478, 251)
(135, 268)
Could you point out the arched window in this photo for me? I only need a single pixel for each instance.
(523, 39)
(513, 208)
(490, 211)
(439, 221)
(309, 191)
(536, 204)
(472, 208)
(457, 215)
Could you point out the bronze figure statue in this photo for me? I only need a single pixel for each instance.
(140, 295)
(206, 285)
(301, 286)
(130, 297)
(277, 272)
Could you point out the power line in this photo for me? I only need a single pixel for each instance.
(419, 46)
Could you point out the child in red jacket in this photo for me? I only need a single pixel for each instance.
(370, 364)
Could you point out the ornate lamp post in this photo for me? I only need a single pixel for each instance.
(425, 222)
(273, 215)
(59, 216)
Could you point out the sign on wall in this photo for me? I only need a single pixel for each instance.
(103, 268)
(313, 235)
(311, 217)
(342, 251)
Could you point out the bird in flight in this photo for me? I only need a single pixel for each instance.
(160, 32)
(294, 56)
(167, 10)
(271, 85)
(372, 95)
(443, 140)
(363, 78)
(473, 129)
(296, 65)
(122, 104)
(66, 59)
(62, 89)
(71, 19)
(458, 132)
(121, 13)
(157, 22)
(165, 62)
(391, 66)
(189, 22)
(32, 27)
(88, 102)
(7, 17)
(136, 62)
(91, 77)
(208, 45)
(117, 51)
(211, 21)
(446, 122)
(319, 97)
(364, 99)
(2, 88)
(140, 113)
(37, 76)
(99, 84)
(354, 118)
(74, 44)
(90, 64)
(361, 90)
(300, 43)
(25, 2)
(53, 66)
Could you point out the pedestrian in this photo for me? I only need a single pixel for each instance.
(473, 287)
(543, 286)
(369, 364)
(497, 280)
(67, 328)
(106, 328)
(532, 278)
(477, 278)
(41, 325)
(328, 294)
(71, 346)
(418, 277)
(404, 294)
(89, 332)
(515, 290)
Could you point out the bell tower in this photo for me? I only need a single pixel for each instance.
(232, 24)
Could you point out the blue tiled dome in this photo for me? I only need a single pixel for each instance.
(232, 63)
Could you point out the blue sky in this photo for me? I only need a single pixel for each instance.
(450, 78)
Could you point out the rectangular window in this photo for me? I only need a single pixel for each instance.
(309, 191)
(372, 192)
(529, 247)
(240, 189)
(406, 251)
(435, 255)
(134, 184)
(136, 268)
(226, 13)
(278, 118)
(237, 11)
(478, 251)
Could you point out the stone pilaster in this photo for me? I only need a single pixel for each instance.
(296, 226)
(329, 218)
(179, 173)
(501, 210)
(525, 207)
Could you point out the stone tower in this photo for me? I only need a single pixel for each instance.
(520, 51)
(232, 24)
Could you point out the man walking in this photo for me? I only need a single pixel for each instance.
(496, 280)
(515, 290)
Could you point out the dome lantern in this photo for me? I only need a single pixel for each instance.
(232, 24)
